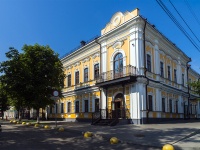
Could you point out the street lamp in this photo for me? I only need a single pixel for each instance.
(55, 95)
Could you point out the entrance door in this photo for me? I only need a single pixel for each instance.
(118, 105)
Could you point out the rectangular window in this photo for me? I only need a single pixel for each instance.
(148, 63)
(168, 73)
(170, 106)
(86, 75)
(96, 105)
(62, 108)
(51, 108)
(150, 98)
(77, 107)
(69, 107)
(183, 79)
(176, 106)
(86, 105)
(161, 70)
(96, 71)
(77, 77)
(69, 80)
(163, 104)
(175, 77)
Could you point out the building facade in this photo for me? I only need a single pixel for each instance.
(131, 72)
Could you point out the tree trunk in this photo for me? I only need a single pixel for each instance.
(19, 114)
(38, 117)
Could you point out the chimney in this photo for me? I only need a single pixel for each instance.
(83, 43)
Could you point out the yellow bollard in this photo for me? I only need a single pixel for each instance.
(47, 127)
(114, 140)
(24, 123)
(168, 147)
(36, 125)
(87, 134)
(61, 129)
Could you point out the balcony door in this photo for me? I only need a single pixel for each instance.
(118, 65)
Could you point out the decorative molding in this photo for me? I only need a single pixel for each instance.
(117, 45)
(95, 55)
(86, 60)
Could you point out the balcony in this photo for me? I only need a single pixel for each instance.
(119, 76)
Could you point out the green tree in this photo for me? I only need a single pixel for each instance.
(196, 86)
(33, 75)
(3, 100)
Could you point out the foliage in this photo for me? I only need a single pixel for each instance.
(3, 99)
(31, 76)
(196, 86)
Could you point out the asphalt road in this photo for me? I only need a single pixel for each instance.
(29, 138)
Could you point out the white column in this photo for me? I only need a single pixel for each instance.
(103, 57)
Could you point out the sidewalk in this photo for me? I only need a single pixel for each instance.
(182, 135)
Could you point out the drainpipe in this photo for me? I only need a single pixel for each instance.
(145, 71)
(188, 67)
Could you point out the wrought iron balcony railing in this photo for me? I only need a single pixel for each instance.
(118, 73)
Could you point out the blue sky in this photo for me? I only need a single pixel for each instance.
(62, 24)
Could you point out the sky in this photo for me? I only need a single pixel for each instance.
(62, 24)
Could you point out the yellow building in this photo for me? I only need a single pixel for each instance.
(130, 74)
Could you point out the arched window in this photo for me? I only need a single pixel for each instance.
(118, 65)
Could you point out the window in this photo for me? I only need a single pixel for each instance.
(161, 70)
(96, 105)
(62, 108)
(69, 107)
(69, 80)
(176, 106)
(86, 75)
(96, 71)
(77, 107)
(168, 73)
(150, 102)
(86, 105)
(163, 104)
(118, 65)
(183, 79)
(148, 63)
(51, 108)
(175, 77)
(170, 106)
(77, 77)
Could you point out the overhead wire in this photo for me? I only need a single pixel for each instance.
(184, 20)
(162, 5)
(192, 12)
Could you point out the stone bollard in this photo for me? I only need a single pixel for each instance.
(114, 140)
(61, 129)
(168, 147)
(87, 134)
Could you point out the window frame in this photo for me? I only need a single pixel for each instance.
(69, 80)
(148, 62)
(150, 102)
(175, 75)
(77, 77)
(77, 107)
(163, 106)
(69, 107)
(169, 73)
(86, 105)
(161, 69)
(96, 71)
(86, 76)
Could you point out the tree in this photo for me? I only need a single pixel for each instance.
(196, 86)
(3, 100)
(33, 75)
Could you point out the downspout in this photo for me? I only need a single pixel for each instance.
(188, 67)
(100, 70)
(145, 72)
